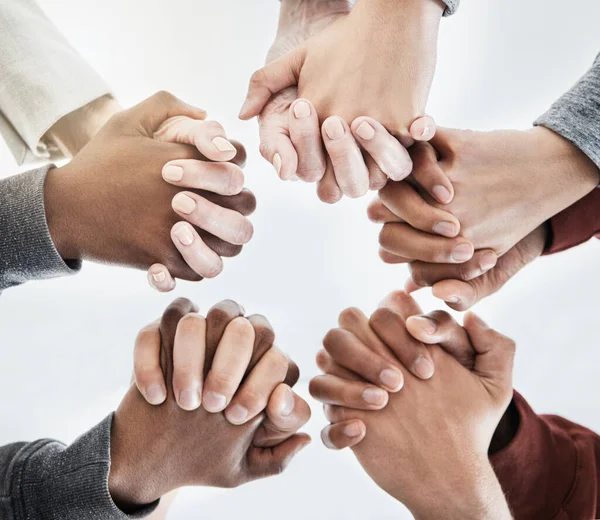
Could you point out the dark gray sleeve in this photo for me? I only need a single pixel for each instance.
(576, 115)
(26, 248)
(45, 480)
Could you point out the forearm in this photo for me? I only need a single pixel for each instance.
(47, 480)
(27, 251)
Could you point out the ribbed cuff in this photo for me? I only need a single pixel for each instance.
(51, 481)
(26, 248)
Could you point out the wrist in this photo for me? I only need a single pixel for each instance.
(132, 480)
(506, 430)
(303, 14)
(478, 496)
(71, 133)
(60, 215)
(398, 12)
(566, 159)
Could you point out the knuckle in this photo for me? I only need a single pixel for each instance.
(333, 340)
(441, 317)
(241, 328)
(350, 316)
(466, 272)
(383, 318)
(192, 323)
(322, 360)
(266, 150)
(386, 236)
(257, 79)
(264, 334)
(223, 379)
(215, 126)
(419, 274)
(235, 182)
(252, 399)
(164, 97)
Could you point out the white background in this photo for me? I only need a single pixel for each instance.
(66, 344)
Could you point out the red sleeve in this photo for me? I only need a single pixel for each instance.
(575, 225)
(550, 469)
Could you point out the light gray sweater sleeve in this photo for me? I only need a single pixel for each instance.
(46, 480)
(576, 115)
(26, 248)
(451, 6)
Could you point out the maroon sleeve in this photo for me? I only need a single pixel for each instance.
(575, 225)
(550, 469)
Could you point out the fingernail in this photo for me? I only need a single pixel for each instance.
(301, 110)
(277, 163)
(423, 368)
(365, 131)
(172, 173)
(184, 234)
(294, 178)
(425, 131)
(237, 414)
(214, 402)
(488, 261)
(427, 324)
(334, 128)
(184, 203)
(462, 253)
(374, 396)
(452, 299)
(189, 399)
(442, 193)
(287, 407)
(391, 378)
(446, 229)
(353, 430)
(159, 277)
(155, 394)
(223, 145)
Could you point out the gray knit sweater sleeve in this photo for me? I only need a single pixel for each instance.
(576, 115)
(45, 480)
(451, 6)
(26, 248)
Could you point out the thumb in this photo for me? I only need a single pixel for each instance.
(282, 73)
(494, 352)
(152, 112)
(265, 462)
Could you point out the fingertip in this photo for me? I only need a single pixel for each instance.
(160, 278)
(411, 286)
(423, 128)
(423, 368)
